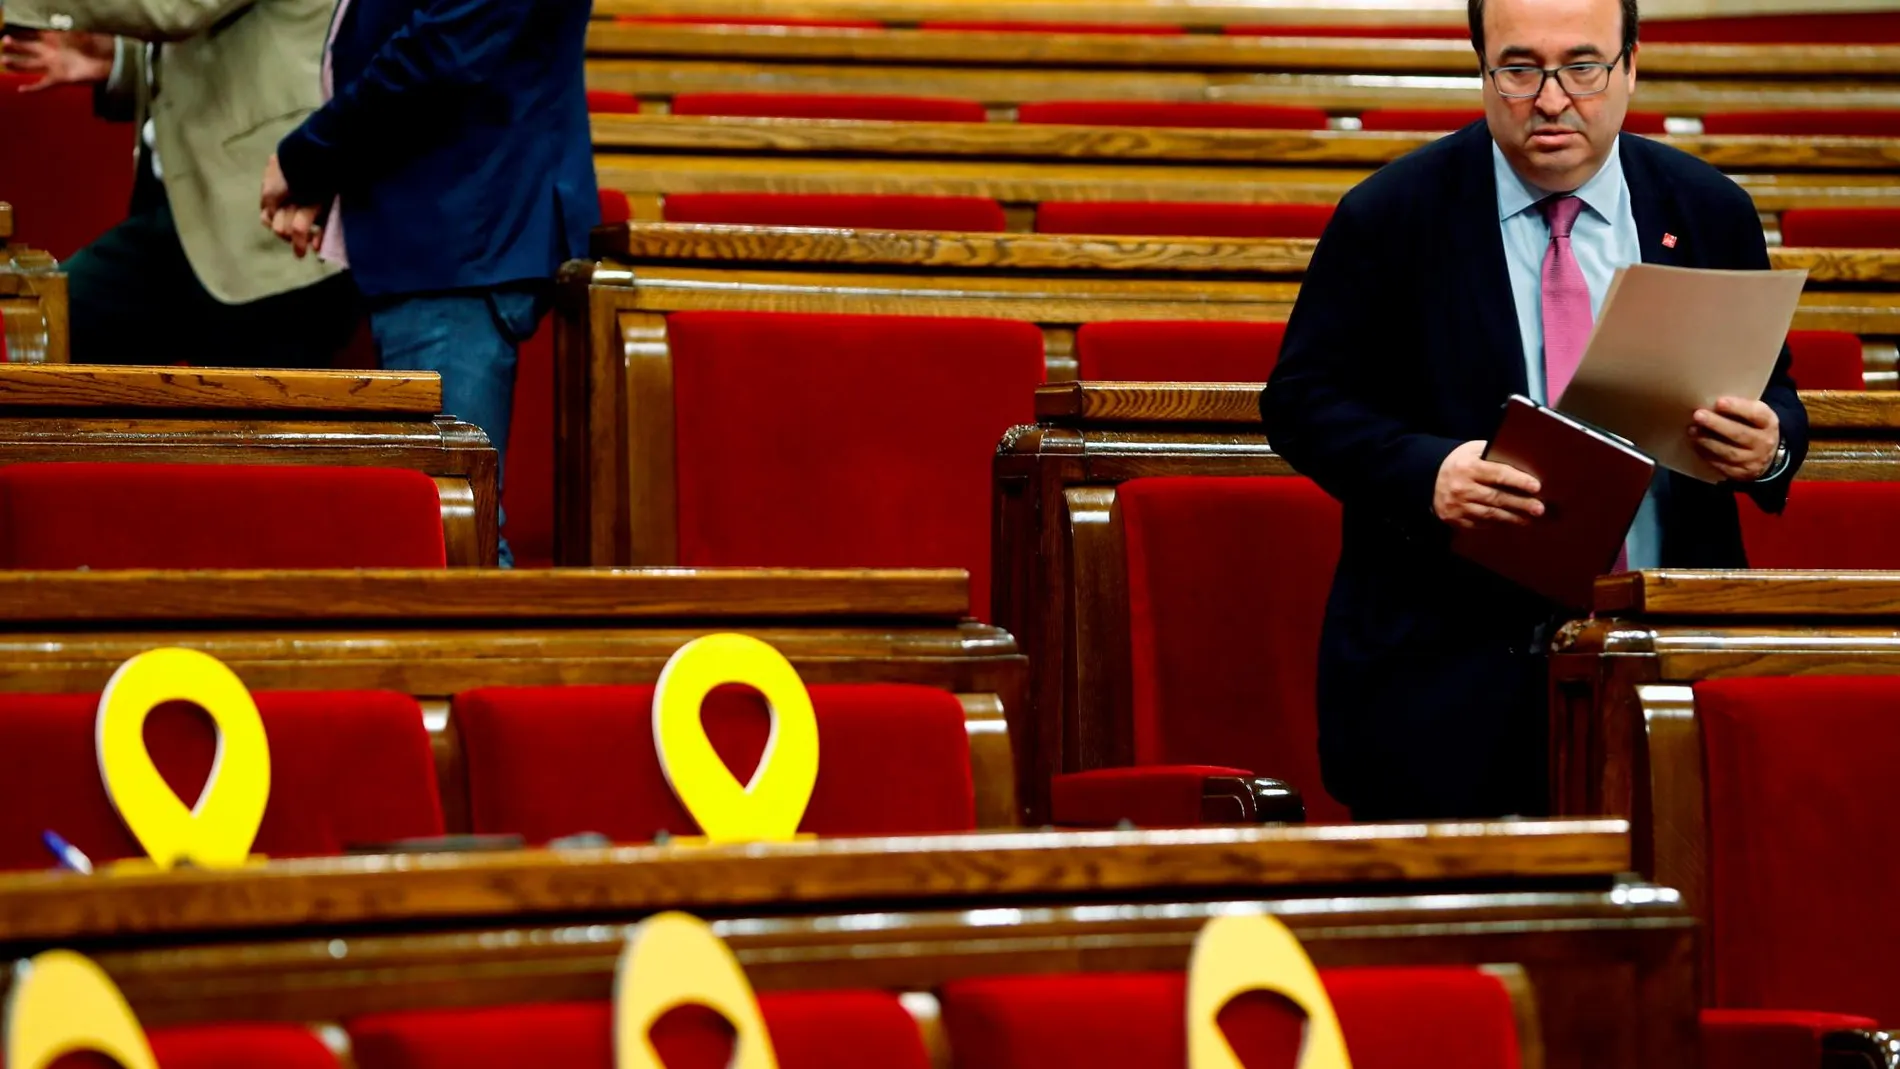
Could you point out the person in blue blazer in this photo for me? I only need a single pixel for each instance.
(1446, 282)
(451, 168)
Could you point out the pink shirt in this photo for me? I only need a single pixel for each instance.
(331, 248)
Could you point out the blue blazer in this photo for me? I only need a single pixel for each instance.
(1404, 343)
(458, 140)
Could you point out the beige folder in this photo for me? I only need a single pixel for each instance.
(1670, 340)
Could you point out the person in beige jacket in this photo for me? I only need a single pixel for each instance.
(213, 86)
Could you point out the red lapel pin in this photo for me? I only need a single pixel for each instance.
(1669, 241)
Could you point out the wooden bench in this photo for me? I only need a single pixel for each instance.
(1612, 961)
(66, 412)
(435, 634)
(33, 303)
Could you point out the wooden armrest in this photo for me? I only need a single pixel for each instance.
(1250, 800)
(1860, 1048)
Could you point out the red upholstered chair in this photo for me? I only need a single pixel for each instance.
(1843, 123)
(1145, 29)
(1192, 351)
(609, 102)
(1841, 228)
(740, 20)
(347, 767)
(830, 106)
(1827, 524)
(92, 515)
(1391, 1018)
(1427, 120)
(1802, 851)
(1171, 113)
(1183, 219)
(1827, 360)
(844, 441)
(67, 173)
(1227, 583)
(229, 1046)
(1843, 27)
(614, 207)
(550, 761)
(1447, 31)
(809, 1030)
(870, 212)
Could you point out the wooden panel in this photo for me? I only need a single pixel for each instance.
(1179, 12)
(1787, 594)
(355, 393)
(1088, 403)
(39, 908)
(6, 221)
(1833, 411)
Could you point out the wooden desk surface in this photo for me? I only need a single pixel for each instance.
(42, 908)
(357, 394)
(6, 221)
(1755, 594)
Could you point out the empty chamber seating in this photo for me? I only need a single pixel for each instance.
(550, 761)
(1176, 351)
(1841, 228)
(1169, 113)
(1827, 524)
(1184, 219)
(1427, 120)
(829, 106)
(870, 212)
(1858, 122)
(92, 515)
(1827, 360)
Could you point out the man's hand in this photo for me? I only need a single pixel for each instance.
(58, 57)
(295, 223)
(1738, 437)
(1473, 491)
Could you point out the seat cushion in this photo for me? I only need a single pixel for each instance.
(1392, 1018)
(845, 441)
(347, 768)
(1193, 351)
(1846, 122)
(1841, 228)
(93, 515)
(1183, 219)
(1797, 771)
(1770, 1039)
(1171, 113)
(1151, 796)
(551, 761)
(883, 212)
(1827, 360)
(610, 102)
(829, 106)
(67, 172)
(1827, 524)
(1227, 584)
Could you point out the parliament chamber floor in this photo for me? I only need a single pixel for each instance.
(910, 657)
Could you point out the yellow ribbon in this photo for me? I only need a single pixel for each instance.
(672, 960)
(62, 1003)
(1237, 954)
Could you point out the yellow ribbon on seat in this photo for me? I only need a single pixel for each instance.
(672, 960)
(1237, 954)
(62, 1003)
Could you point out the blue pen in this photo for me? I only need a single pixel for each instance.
(68, 855)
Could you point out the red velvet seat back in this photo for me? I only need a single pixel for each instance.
(67, 173)
(347, 768)
(1172, 113)
(876, 212)
(1183, 219)
(809, 1030)
(223, 1046)
(1227, 583)
(741, 20)
(73, 515)
(1146, 29)
(830, 106)
(1841, 228)
(1446, 31)
(1191, 351)
(1827, 360)
(1827, 524)
(1804, 842)
(550, 761)
(611, 102)
(845, 441)
(1428, 120)
(1392, 1018)
(1827, 27)
(1842, 123)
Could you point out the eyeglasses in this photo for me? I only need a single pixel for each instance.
(1576, 79)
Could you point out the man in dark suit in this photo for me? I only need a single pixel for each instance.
(453, 170)
(1459, 275)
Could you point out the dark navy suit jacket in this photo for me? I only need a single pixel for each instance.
(1404, 343)
(458, 140)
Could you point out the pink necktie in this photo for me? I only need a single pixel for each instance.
(1566, 299)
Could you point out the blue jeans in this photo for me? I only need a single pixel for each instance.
(469, 337)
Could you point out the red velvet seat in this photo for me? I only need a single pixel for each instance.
(67, 173)
(871, 212)
(610, 102)
(1802, 853)
(1428, 120)
(92, 515)
(1827, 524)
(1183, 219)
(225, 1046)
(347, 767)
(830, 106)
(1227, 583)
(1827, 360)
(1827, 27)
(1164, 351)
(1446, 31)
(809, 1030)
(1842, 123)
(1171, 113)
(844, 441)
(1841, 228)
(1391, 1018)
(550, 761)
(1148, 29)
(743, 20)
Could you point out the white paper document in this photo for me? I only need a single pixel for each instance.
(1670, 340)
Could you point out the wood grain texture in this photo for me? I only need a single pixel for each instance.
(1783, 594)
(353, 393)
(1177, 12)
(1073, 404)
(378, 594)
(1831, 412)
(6, 222)
(432, 888)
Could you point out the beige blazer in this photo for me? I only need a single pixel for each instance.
(234, 77)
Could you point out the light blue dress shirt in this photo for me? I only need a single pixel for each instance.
(1603, 239)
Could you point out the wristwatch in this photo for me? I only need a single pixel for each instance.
(1777, 466)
